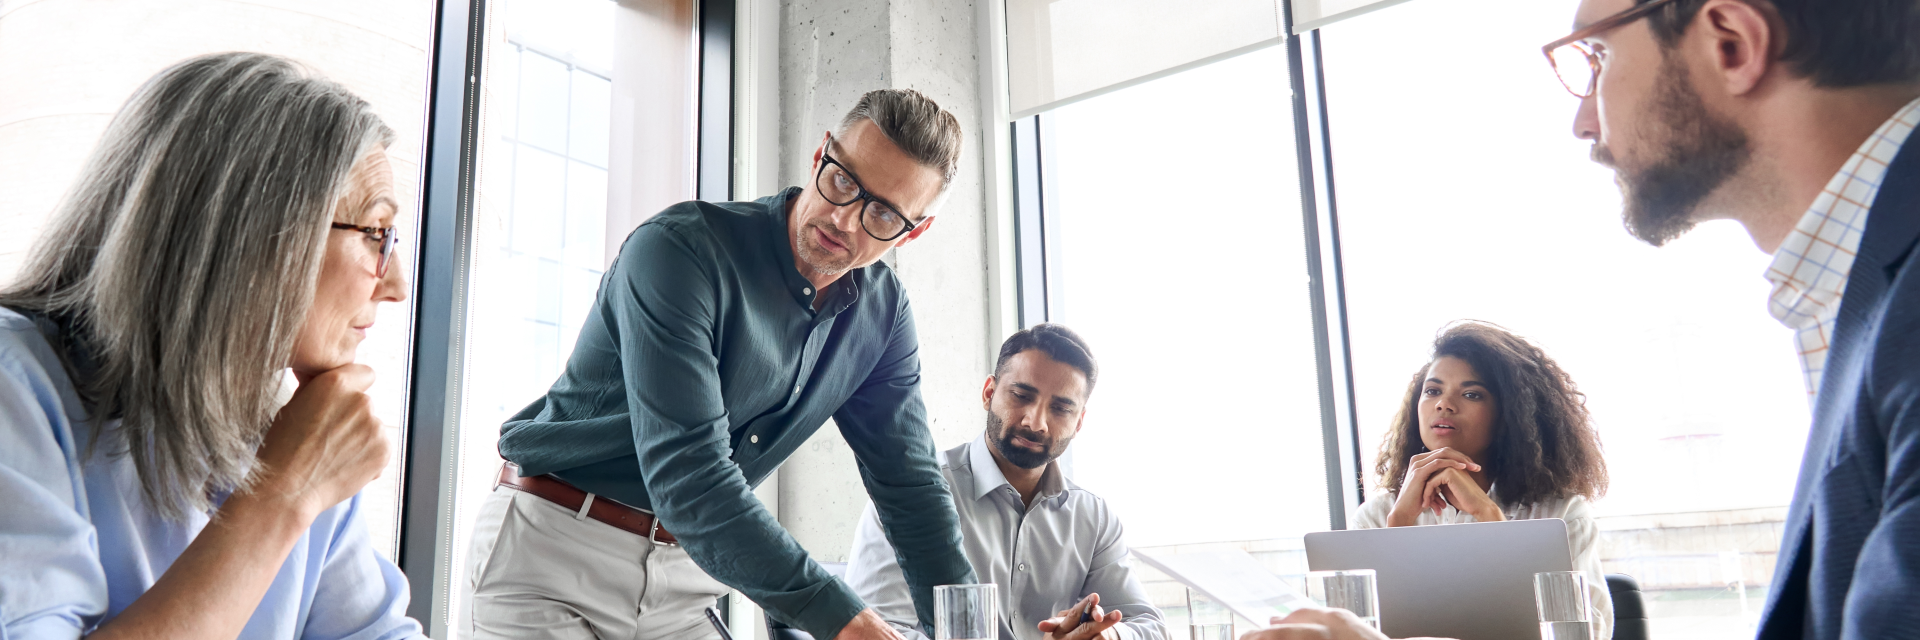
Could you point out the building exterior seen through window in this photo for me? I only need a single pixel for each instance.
(539, 241)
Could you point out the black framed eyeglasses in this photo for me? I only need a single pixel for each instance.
(387, 237)
(838, 185)
(1574, 61)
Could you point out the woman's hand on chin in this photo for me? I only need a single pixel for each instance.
(1413, 496)
(1457, 488)
(325, 445)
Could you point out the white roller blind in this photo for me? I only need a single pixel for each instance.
(1313, 14)
(1062, 51)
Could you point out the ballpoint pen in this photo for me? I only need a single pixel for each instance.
(713, 615)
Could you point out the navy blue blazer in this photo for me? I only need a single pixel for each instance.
(1849, 566)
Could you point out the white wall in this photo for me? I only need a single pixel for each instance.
(831, 52)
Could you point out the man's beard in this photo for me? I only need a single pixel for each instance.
(1001, 438)
(1702, 152)
(822, 262)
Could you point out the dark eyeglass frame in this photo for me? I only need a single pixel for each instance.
(387, 236)
(860, 194)
(1610, 22)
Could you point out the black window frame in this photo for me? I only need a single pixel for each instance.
(1037, 233)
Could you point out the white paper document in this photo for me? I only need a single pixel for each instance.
(1231, 577)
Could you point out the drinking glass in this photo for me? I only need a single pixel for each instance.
(1561, 597)
(1208, 619)
(1351, 589)
(966, 612)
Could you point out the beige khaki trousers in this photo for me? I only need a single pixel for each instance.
(542, 571)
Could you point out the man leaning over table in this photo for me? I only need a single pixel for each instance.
(722, 337)
(1054, 549)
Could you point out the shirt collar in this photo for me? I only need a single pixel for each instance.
(987, 477)
(840, 294)
(1809, 272)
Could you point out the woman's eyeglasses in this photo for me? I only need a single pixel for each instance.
(386, 236)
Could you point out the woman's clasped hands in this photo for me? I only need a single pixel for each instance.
(1439, 478)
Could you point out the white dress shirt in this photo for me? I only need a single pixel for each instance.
(1582, 538)
(1044, 558)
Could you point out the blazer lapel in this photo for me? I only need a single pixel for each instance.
(1893, 226)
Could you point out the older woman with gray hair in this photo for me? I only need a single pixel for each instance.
(235, 222)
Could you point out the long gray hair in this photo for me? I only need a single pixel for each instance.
(183, 262)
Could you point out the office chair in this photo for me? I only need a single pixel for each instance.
(777, 630)
(1629, 613)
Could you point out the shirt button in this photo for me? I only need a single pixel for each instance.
(1023, 566)
(753, 439)
(806, 291)
(796, 389)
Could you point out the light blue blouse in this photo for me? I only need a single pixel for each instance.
(77, 543)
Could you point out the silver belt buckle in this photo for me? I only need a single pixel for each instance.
(653, 533)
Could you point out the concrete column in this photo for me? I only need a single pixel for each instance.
(831, 52)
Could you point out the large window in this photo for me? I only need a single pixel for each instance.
(1173, 231)
(583, 101)
(1463, 194)
(1170, 237)
(539, 227)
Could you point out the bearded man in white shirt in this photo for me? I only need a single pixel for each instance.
(1054, 549)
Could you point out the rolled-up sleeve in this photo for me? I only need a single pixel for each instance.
(664, 303)
(51, 581)
(885, 423)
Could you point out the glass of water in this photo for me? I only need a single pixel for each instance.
(1351, 589)
(1208, 619)
(966, 612)
(1561, 597)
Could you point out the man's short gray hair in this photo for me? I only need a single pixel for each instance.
(916, 124)
(183, 262)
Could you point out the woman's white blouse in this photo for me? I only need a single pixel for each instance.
(1582, 539)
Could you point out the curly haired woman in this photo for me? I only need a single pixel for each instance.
(1491, 430)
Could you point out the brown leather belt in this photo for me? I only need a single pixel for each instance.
(557, 491)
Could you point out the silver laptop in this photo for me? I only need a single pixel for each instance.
(1466, 581)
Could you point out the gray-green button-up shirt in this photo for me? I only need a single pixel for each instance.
(704, 365)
